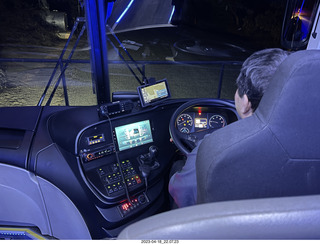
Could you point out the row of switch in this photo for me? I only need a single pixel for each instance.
(118, 186)
(111, 178)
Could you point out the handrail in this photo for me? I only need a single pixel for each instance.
(79, 61)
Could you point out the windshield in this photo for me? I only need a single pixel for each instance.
(198, 46)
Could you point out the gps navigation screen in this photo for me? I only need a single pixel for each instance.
(133, 135)
(154, 93)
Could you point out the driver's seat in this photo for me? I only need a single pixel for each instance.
(275, 152)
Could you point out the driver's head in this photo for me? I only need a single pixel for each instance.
(254, 78)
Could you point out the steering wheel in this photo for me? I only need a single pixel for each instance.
(186, 142)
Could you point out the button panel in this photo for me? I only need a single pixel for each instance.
(135, 203)
(111, 178)
(88, 156)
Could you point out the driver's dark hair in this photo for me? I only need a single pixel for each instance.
(256, 73)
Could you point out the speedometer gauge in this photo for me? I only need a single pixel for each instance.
(217, 121)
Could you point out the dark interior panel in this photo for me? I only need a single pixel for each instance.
(11, 138)
(23, 118)
(114, 169)
(17, 127)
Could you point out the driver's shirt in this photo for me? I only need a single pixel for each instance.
(183, 184)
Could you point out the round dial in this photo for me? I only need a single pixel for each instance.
(184, 123)
(185, 120)
(217, 121)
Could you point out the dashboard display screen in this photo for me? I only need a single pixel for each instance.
(200, 123)
(151, 94)
(133, 135)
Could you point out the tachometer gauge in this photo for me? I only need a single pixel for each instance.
(184, 123)
(185, 120)
(217, 121)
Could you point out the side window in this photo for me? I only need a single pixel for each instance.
(33, 70)
(299, 18)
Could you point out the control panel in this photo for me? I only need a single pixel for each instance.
(110, 170)
(111, 177)
(91, 140)
(88, 155)
(114, 108)
(135, 203)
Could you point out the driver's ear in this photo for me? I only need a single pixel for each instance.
(244, 108)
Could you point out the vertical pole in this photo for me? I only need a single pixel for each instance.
(64, 83)
(220, 81)
(95, 19)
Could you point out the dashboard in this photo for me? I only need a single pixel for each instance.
(124, 160)
(114, 168)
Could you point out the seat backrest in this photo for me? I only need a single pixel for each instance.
(275, 152)
(271, 218)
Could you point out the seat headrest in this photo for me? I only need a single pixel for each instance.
(290, 105)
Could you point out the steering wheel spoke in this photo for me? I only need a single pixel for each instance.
(189, 139)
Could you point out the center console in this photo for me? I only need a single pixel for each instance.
(116, 161)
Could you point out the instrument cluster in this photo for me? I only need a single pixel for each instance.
(202, 119)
